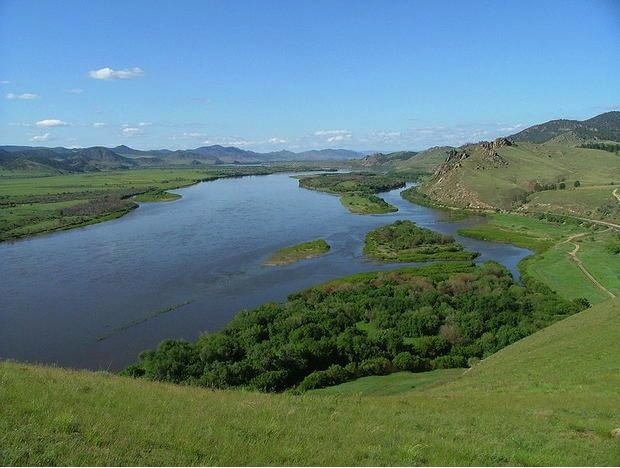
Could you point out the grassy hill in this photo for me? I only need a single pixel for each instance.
(549, 399)
(506, 176)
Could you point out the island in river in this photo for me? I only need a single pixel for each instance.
(295, 253)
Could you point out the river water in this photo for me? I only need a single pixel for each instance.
(80, 298)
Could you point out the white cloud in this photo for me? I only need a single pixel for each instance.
(189, 136)
(337, 138)
(24, 96)
(334, 136)
(108, 73)
(75, 91)
(41, 138)
(131, 131)
(99, 124)
(3, 82)
(332, 132)
(51, 123)
(275, 140)
(145, 124)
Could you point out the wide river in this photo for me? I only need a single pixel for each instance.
(81, 298)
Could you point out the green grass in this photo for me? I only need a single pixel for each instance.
(392, 384)
(523, 231)
(552, 264)
(550, 399)
(586, 202)
(366, 204)
(295, 253)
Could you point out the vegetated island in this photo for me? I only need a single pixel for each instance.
(404, 241)
(295, 253)
(357, 190)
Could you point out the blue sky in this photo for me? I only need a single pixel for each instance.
(266, 75)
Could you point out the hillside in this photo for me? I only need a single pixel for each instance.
(505, 175)
(602, 127)
(549, 399)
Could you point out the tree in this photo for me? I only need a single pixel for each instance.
(577, 183)
(562, 185)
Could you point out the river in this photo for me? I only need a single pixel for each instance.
(81, 298)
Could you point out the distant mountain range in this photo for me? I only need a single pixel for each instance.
(98, 158)
(602, 127)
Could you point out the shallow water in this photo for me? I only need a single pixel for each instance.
(62, 293)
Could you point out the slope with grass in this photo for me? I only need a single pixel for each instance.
(549, 399)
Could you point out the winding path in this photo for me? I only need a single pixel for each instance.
(577, 260)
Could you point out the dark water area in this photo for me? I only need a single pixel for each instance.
(68, 298)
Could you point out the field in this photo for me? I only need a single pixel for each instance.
(517, 407)
(298, 252)
(553, 265)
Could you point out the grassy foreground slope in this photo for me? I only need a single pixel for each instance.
(549, 399)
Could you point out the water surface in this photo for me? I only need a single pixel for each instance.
(62, 293)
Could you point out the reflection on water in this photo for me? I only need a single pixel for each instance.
(61, 293)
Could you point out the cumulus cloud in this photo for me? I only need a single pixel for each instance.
(99, 124)
(51, 123)
(108, 73)
(145, 124)
(75, 91)
(42, 138)
(24, 96)
(131, 131)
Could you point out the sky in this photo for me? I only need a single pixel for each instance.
(267, 75)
